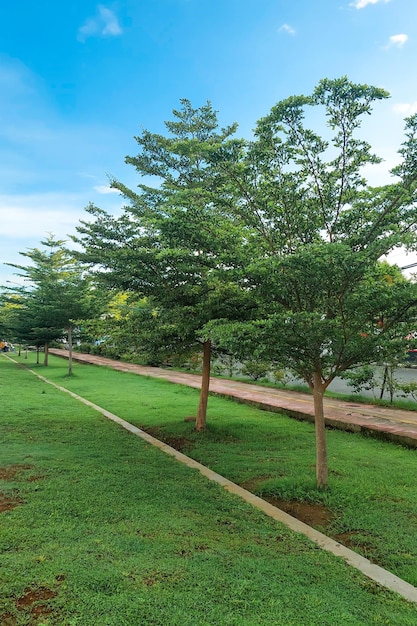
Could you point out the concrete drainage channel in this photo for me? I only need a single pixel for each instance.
(372, 571)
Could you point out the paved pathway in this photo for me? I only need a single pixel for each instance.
(389, 423)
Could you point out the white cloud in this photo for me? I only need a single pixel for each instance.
(405, 108)
(34, 215)
(397, 40)
(105, 189)
(361, 4)
(104, 24)
(27, 219)
(286, 28)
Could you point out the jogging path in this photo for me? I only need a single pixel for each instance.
(389, 423)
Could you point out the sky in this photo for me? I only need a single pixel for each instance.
(79, 79)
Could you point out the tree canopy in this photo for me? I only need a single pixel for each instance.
(172, 243)
(316, 232)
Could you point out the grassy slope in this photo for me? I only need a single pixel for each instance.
(372, 483)
(126, 535)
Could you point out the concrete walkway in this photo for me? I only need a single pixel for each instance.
(389, 423)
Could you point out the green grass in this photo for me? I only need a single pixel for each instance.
(124, 534)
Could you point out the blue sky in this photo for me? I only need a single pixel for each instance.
(79, 79)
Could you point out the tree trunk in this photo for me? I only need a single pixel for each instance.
(70, 351)
(391, 383)
(46, 354)
(201, 420)
(381, 395)
(37, 355)
(321, 452)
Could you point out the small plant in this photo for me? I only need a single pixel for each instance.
(256, 369)
(227, 365)
(281, 377)
(408, 389)
(362, 378)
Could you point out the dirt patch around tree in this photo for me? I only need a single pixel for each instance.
(313, 514)
(178, 443)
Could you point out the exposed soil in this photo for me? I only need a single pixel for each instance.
(34, 602)
(178, 443)
(153, 431)
(11, 471)
(155, 577)
(33, 595)
(252, 484)
(8, 502)
(319, 517)
(315, 515)
(355, 539)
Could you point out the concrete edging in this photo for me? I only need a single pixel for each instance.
(372, 571)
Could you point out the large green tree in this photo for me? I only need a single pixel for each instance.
(315, 233)
(171, 243)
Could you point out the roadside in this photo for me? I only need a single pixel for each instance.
(388, 423)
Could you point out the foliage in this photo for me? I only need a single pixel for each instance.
(57, 295)
(408, 389)
(226, 365)
(361, 378)
(315, 233)
(255, 369)
(171, 244)
(271, 247)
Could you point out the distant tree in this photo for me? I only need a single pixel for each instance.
(56, 295)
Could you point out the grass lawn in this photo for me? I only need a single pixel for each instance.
(97, 528)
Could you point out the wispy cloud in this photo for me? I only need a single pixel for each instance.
(405, 108)
(286, 28)
(103, 24)
(361, 4)
(105, 189)
(397, 40)
(28, 216)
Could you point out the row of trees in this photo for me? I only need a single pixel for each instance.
(55, 294)
(268, 249)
